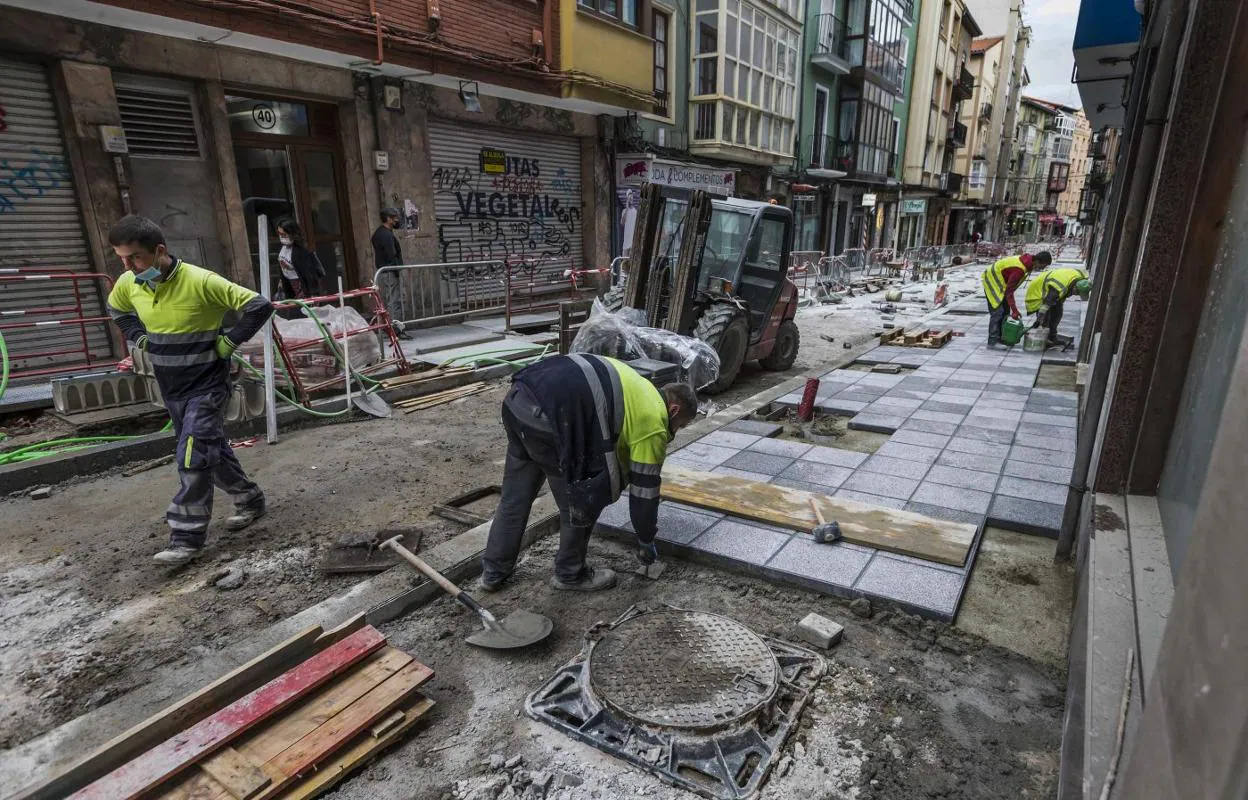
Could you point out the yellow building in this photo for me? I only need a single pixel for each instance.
(611, 53)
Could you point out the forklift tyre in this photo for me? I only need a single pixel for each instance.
(724, 328)
(788, 339)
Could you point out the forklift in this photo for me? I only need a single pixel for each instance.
(715, 270)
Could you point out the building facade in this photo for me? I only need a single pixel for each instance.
(1027, 189)
(971, 215)
(1068, 199)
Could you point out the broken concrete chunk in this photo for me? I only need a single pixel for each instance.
(496, 761)
(514, 762)
(42, 493)
(231, 578)
(819, 631)
(861, 607)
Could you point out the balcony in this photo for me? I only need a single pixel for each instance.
(985, 111)
(964, 86)
(831, 48)
(821, 157)
(873, 61)
(957, 135)
(907, 9)
(950, 184)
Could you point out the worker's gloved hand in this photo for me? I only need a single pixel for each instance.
(647, 553)
(1015, 315)
(1042, 317)
(225, 348)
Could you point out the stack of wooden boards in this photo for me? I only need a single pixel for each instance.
(439, 398)
(932, 340)
(295, 735)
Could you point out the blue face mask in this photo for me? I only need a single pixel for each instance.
(148, 275)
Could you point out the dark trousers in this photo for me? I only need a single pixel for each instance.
(1055, 319)
(531, 459)
(996, 318)
(205, 459)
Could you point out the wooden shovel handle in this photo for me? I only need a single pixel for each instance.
(417, 562)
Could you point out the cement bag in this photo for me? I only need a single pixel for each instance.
(621, 335)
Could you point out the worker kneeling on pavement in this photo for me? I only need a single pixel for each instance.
(173, 311)
(588, 425)
(1000, 280)
(1047, 294)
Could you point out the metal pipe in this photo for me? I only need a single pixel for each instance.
(270, 387)
(381, 55)
(1150, 120)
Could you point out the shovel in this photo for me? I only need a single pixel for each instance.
(517, 629)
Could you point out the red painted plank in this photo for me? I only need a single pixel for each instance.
(167, 759)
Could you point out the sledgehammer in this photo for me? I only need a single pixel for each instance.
(825, 532)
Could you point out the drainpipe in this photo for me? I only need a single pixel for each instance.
(1152, 122)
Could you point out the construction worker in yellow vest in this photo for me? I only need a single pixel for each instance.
(1000, 280)
(1047, 293)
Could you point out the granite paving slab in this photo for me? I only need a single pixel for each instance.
(1056, 431)
(1034, 455)
(737, 441)
(1060, 420)
(886, 485)
(977, 462)
(1039, 472)
(945, 513)
(754, 427)
(945, 407)
(912, 452)
(992, 422)
(927, 426)
(758, 462)
(843, 408)
(1025, 516)
(1045, 442)
(1042, 491)
(871, 499)
(708, 455)
(876, 423)
(781, 447)
(825, 475)
(939, 416)
(752, 544)
(912, 584)
(903, 403)
(1001, 437)
(908, 394)
(920, 438)
(901, 467)
(834, 456)
(979, 447)
(741, 473)
(858, 396)
(965, 478)
(839, 563)
(954, 497)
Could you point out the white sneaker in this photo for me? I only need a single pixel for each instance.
(176, 555)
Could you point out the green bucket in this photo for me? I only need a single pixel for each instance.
(1012, 331)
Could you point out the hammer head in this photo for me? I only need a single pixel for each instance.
(827, 533)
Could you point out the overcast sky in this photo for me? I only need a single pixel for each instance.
(1049, 58)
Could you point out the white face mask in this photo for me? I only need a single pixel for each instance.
(285, 240)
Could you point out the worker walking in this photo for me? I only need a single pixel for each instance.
(1000, 280)
(587, 425)
(1047, 294)
(173, 311)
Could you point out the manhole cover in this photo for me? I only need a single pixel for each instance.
(684, 669)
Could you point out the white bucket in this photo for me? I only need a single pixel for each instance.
(1036, 340)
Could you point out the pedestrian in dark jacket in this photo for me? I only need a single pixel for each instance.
(302, 272)
(388, 253)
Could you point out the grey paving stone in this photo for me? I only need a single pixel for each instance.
(1033, 455)
(758, 462)
(992, 423)
(886, 485)
(854, 395)
(834, 456)
(1056, 396)
(916, 437)
(707, 455)
(825, 475)
(616, 515)
(870, 499)
(954, 391)
(979, 447)
(912, 584)
(877, 423)
(986, 434)
(1039, 472)
(826, 563)
(754, 427)
(843, 408)
(904, 403)
(760, 477)
(1025, 516)
(980, 463)
(1006, 392)
(1049, 419)
(939, 416)
(912, 452)
(945, 407)
(737, 441)
(945, 513)
(1054, 493)
(780, 447)
(1046, 442)
(958, 476)
(990, 407)
(1056, 431)
(791, 399)
(750, 544)
(927, 426)
(679, 526)
(919, 383)
(908, 394)
(966, 383)
(1033, 407)
(901, 467)
(952, 497)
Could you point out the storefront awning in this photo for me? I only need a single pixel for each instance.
(1107, 35)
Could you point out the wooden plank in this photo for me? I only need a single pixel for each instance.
(304, 755)
(329, 773)
(887, 529)
(175, 754)
(182, 714)
(237, 774)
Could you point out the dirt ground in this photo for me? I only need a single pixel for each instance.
(908, 708)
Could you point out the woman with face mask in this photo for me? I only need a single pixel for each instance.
(301, 269)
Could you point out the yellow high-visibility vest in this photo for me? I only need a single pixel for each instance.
(1063, 279)
(993, 279)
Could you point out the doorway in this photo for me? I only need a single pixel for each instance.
(290, 167)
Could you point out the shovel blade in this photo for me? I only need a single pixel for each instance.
(371, 404)
(517, 629)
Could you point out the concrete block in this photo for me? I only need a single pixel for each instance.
(939, 416)
(945, 513)
(965, 478)
(819, 631)
(824, 475)
(1052, 458)
(1003, 438)
(749, 544)
(876, 423)
(980, 463)
(885, 485)
(708, 455)
(741, 473)
(837, 564)
(754, 427)
(955, 497)
(915, 437)
(912, 452)
(870, 499)
(922, 587)
(834, 456)
(841, 407)
(98, 390)
(780, 447)
(737, 441)
(979, 447)
(1037, 472)
(901, 467)
(927, 426)
(758, 462)
(1025, 516)
(1054, 493)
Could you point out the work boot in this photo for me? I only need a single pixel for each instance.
(243, 517)
(592, 580)
(176, 555)
(490, 584)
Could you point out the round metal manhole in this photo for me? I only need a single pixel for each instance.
(683, 669)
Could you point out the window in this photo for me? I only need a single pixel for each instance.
(660, 60)
(978, 175)
(622, 10)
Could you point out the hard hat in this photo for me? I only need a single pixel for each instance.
(1084, 288)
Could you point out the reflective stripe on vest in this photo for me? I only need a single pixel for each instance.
(993, 279)
(1062, 279)
(610, 433)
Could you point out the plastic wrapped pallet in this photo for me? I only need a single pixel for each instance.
(318, 363)
(622, 334)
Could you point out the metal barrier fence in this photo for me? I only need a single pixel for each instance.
(533, 287)
(36, 346)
